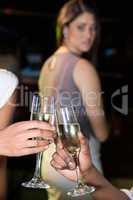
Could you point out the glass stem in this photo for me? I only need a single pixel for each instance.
(76, 158)
(78, 179)
(37, 172)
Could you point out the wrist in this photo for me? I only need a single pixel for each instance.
(93, 177)
(86, 174)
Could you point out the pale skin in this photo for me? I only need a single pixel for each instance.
(65, 165)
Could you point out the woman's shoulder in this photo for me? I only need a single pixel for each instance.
(48, 60)
(85, 72)
(82, 62)
(83, 66)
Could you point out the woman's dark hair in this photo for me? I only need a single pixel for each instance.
(69, 12)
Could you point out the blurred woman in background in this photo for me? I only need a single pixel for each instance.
(71, 76)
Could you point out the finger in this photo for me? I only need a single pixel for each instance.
(63, 153)
(59, 144)
(37, 133)
(49, 135)
(28, 151)
(59, 160)
(32, 125)
(56, 165)
(36, 143)
(65, 157)
(68, 159)
(83, 144)
(61, 150)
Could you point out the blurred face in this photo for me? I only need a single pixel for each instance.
(81, 33)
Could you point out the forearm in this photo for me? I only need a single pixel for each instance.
(104, 190)
(109, 193)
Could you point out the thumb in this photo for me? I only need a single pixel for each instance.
(59, 144)
(84, 145)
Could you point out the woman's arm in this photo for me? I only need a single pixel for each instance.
(87, 80)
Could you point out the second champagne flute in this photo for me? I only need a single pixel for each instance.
(68, 129)
(42, 109)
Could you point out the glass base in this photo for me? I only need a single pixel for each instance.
(35, 183)
(80, 191)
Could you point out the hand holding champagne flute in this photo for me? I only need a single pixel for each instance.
(67, 130)
(42, 109)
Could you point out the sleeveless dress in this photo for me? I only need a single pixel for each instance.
(8, 83)
(68, 94)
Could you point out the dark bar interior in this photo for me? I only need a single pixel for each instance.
(27, 39)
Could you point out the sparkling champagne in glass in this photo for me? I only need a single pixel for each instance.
(67, 130)
(42, 109)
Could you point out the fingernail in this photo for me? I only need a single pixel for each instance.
(46, 147)
(71, 165)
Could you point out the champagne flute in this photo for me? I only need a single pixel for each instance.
(67, 130)
(42, 109)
